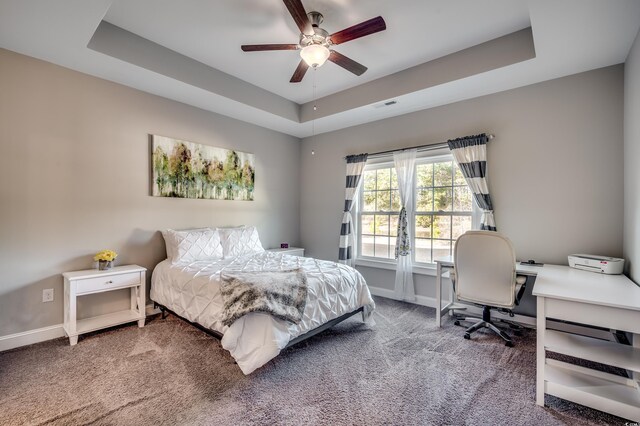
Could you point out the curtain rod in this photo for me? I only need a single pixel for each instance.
(420, 148)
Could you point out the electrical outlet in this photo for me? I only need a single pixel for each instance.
(47, 295)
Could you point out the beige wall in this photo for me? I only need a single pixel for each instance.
(631, 247)
(554, 168)
(74, 179)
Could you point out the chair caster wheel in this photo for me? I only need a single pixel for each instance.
(509, 344)
(456, 322)
(467, 336)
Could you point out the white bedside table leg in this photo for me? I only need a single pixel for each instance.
(140, 300)
(134, 298)
(72, 306)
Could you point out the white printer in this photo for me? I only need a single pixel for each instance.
(601, 264)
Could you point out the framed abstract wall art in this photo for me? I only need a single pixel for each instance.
(189, 170)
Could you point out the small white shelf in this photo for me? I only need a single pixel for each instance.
(80, 283)
(106, 320)
(595, 390)
(602, 351)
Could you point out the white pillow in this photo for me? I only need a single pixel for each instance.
(239, 241)
(192, 245)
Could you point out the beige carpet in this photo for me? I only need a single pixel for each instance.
(403, 371)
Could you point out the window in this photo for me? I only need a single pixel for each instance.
(380, 203)
(443, 210)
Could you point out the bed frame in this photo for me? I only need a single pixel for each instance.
(164, 311)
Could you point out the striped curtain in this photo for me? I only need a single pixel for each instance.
(470, 153)
(355, 167)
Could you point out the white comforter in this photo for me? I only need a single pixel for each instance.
(193, 292)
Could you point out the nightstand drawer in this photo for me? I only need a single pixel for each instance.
(94, 285)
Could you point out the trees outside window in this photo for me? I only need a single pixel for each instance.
(443, 210)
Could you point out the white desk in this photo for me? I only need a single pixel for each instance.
(445, 264)
(568, 294)
(609, 301)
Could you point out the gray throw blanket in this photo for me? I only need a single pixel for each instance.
(282, 294)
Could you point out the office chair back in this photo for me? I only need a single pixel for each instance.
(485, 268)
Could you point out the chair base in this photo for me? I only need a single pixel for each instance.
(486, 322)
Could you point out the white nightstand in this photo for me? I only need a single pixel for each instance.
(80, 283)
(291, 251)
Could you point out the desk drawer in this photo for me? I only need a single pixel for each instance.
(98, 284)
(597, 315)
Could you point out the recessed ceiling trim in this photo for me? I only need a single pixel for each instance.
(491, 55)
(129, 47)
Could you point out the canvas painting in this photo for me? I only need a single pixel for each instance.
(189, 170)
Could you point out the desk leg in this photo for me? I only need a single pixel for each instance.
(540, 352)
(438, 294)
(451, 295)
(636, 344)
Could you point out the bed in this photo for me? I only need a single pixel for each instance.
(190, 286)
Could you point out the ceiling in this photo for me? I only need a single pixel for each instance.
(189, 51)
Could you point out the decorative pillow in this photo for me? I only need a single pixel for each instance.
(241, 241)
(224, 232)
(192, 245)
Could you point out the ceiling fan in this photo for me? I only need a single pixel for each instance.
(316, 43)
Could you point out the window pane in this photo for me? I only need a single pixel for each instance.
(442, 173)
(383, 203)
(423, 250)
(441, 248)
(394, 179)
(369, 198)
(369, 180)
(423, 226)
(458, 179)
(367, 224)
(382, 224)
(393, 223)
(425, 175)
(424, 200)
(443, 199)
(461, 199)
(395, 201)
(382, 247)
(384, 178)
(392, 248)
(367, 245)
(442, 227)
(460, 225)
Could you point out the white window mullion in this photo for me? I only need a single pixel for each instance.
(379, 256)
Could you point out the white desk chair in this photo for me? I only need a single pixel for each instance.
(485, 274)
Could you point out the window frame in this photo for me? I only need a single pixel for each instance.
(389, 263)
(386, 164)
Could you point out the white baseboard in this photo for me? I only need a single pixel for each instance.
(390, 294)
(30, 337)
(43, 334)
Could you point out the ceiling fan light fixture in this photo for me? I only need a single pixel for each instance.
(315, 54)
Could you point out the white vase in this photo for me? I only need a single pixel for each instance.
(103, 265)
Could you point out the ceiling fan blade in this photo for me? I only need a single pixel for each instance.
(262, 47)
(299, 72)
(360, 30)
(347, 63)
(296, 9)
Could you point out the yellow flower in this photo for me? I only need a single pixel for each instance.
(107, 255)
